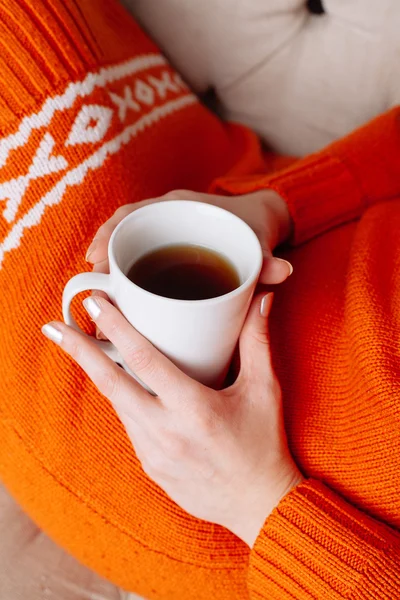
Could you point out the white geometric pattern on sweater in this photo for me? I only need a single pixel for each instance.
(75, 176)
(90, 126)
(74, 90)
(83, 131)
(43, 164)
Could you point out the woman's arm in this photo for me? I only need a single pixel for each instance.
(336, 185)
(317, 546)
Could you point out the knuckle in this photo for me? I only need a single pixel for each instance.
(139, 358)
(204, 420)
(173, 445)
(260, 337)
(113, 328)
(108, 384)
(124, 210)
(103, 232)
(155, 463)
(179, 195)
(75, 350)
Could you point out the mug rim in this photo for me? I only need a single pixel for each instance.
(253, 277)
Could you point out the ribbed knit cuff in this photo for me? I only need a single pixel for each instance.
(337, 184)
(320, 192)
(317, 546)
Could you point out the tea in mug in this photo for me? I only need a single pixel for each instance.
(185, 272)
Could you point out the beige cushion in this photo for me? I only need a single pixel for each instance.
(298, 79)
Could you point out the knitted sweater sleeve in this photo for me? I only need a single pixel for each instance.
(315, 546)
(337, 184)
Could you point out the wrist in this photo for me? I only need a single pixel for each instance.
(277, 206)
(258, 509)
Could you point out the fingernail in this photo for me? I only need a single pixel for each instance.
(93, 307)
(288, 264)
(91, 249)
(263, 306)
(51, 331)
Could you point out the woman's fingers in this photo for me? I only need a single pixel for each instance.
(126, 395)
(98, 249)
(275, 270)
(254, 346)
(150, 365)
(101, 267)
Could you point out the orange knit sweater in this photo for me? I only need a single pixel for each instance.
(92, 117)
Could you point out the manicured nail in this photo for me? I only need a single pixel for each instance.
(288, 264)
(51, 331)
(93, 307)
(91, 249)
(263, 306)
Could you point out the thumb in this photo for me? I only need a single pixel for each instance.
(255, 357)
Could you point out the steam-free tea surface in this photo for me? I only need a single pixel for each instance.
(185, 272)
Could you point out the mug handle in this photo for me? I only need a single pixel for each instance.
(85, 282)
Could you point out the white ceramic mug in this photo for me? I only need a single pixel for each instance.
(197, 335)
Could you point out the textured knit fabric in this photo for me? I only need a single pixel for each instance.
(92, 117)
(336, 348)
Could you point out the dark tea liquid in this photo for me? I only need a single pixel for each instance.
(185, 272)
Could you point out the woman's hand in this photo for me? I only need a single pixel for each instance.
(264, 211)
(220, 455)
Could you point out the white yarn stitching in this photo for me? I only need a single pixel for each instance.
(66, 100)
(95, 161)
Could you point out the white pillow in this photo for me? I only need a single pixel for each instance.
(299, 80)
